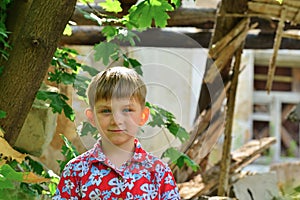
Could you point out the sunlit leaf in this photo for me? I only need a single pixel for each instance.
(68, 150)
(177, 3)
(86, 1)
(109, 32)
(9, 152)
(30, 177)
(111, 6)
(148, 11)
(68, 30)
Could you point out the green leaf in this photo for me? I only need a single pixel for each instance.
(68, 30)
(109, 32)
(91, 70)
(297, 189)
(8, 175)
(280, 1)
(87, 128)
(148, 10)
(69, 151)
(180, 158)
(177, 3)
(67, 78)
(105, 50)
(111, 6)
(52, 188)
(136, 65)
(58, 103)
(81, 84)
(127, 36)
(2, 114)
(86, 1)
(178, 131)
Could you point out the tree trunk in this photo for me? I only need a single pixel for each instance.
(36, 27)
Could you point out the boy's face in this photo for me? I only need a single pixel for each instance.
(118, 120)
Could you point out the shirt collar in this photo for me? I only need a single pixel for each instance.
(139, 154)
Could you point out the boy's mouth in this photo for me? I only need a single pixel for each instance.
(116, 131)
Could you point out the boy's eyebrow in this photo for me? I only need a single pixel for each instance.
(102, 106)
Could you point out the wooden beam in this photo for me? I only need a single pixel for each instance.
(170, 37)
(203, 18)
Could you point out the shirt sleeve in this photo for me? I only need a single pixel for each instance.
(168, 187)
(68, 187)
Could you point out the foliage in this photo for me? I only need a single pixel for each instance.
(294, 195)
(58, 103)
(3, 32)
(66, 70)
(25, 180)
(69, 151)
(180, 158)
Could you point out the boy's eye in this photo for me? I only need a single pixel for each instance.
(105, 111)
(127, 110)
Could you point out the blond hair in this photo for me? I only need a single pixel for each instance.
(116, 82)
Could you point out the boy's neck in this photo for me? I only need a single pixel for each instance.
(118, 155)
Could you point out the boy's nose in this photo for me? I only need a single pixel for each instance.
(117, 118)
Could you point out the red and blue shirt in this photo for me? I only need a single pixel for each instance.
(92, 176)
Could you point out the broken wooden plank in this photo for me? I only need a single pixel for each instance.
(277, 42)
(240, 158)
(226, 53)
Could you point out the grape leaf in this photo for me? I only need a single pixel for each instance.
(148, 10)
(180, 158)
(105, 50)
(111, 6)
(58, 103)
(109, 32)
(177, 3)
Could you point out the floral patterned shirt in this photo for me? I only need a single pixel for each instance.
(92, 176)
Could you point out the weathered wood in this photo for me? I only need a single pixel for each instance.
(205, 133)
(272, 10)
(90, 35)
(195, 17)
(240, 158)
(225, 55)
(223, 188)
(221, 44)
(277, 42)
(203, 18)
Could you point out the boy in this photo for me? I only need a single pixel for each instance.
(117, 167)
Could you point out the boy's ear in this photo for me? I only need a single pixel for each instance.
(145, 116)
(90, 115)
